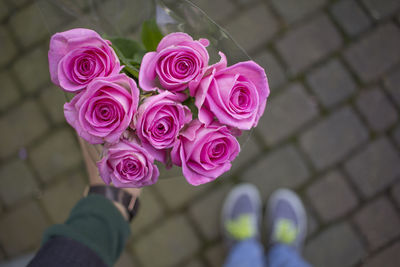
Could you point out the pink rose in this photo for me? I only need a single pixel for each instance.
(159, 120)
(204, 152)
(104, 110)
(78, 56)
(178, 63)
(127, 164)
(235, 95)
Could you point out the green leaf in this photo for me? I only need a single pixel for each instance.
(128, 51)
(151, 35)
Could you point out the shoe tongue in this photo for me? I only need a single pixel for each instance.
(284, 210)
(243, 205)
(285, 231)
(242, 227)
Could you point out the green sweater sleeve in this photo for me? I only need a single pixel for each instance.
(96, 223)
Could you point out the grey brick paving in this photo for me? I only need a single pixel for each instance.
(292, 10)
(305, 45)
(217, 10)
(249, 150)
(245, 27)
(28, 33)
(379, 222)
(376, 53)
(6, 45)
(63, 196)
(383, 8)
(351, 17)
(154, 212)
(173, 242)
(337, 245)
(275, 72)
(377, 109)
(175, 182)
(19, 238)
(331, 83)
(21, 126)
(395, 192)
(286, 113)
(375, 167)
(392, 81)
(59, 151)
(26, 69)
(215, 255)
(343, 158)
(16, 182)
(283, 167)
(206, 212)
(333, 138)
(390, 257)
(9, 93)
(53, 98)
(331, 196)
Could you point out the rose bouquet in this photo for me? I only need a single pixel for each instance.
(156, 101)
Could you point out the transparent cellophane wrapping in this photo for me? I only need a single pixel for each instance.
(124, 18)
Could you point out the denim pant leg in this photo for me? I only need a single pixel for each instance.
(247, 253)
(284, 256)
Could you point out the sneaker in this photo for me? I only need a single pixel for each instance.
(287, 219)
(241, 214)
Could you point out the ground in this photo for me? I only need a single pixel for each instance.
(330, 132)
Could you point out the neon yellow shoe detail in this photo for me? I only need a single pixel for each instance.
(242, 227)
(285, 231)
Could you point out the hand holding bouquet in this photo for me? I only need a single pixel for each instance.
(165, 103)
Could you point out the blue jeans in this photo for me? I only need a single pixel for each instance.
(250, 253)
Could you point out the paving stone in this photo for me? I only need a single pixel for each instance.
(282, 167)
(383, 8)
(9, 93)
(59, 199)
(350, 17)
(56, 154)
(329, 141)
(376, 53)
(379, 222)
(395, 191)
(249, 150)
(172, 242)
(396, 135)
(124, 260)
(206, 211)
(216, 255)
(169, 186)
(217, 10)
(17, 3)
(7, 45)
(32, 70)
(375, 167)
(301, 47)
(32, 32)
(389, 257)
(331, 83)
(21, 126)
(16, 182)
(331, 196)
(150, 211)
(292, 10)
(286, 113)
(53, 100)
(338, 245)
(253, 27)
(4, 10)
(22, 229)
(377, 109)
(312, 223)
(392, 81)
(275, 72)
(195, 263)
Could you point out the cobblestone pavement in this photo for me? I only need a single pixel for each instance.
(330, 131)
